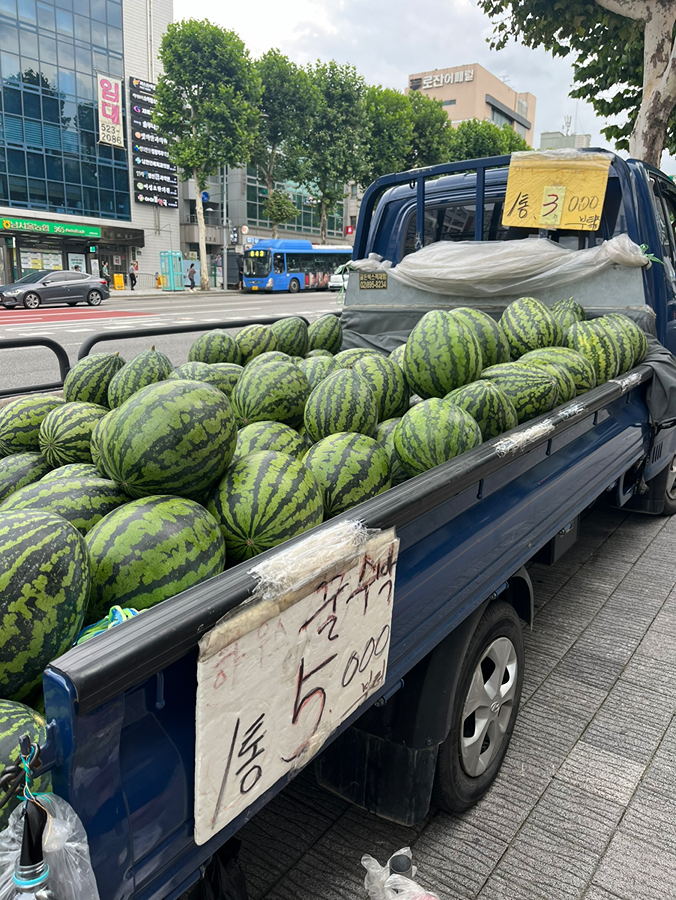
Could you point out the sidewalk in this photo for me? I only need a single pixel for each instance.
(140, 294)
(584, 807)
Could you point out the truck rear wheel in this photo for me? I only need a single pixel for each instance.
(485, 707)
(670, 490)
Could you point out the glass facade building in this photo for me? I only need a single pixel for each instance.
(308, 219)
(50, 160)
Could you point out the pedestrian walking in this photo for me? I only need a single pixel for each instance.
(132, 275)
(105, 274)
(240, 271)
(192, 271)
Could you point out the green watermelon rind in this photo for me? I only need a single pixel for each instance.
(325, 333)
(442, 353)
(291, 335)
(341, 402)
(65, 433)
(20, 469)
(433, 432)
(90, 377)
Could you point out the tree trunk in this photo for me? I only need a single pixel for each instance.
(270, 185)
(659, 74)
(199, 209)
(322, 222)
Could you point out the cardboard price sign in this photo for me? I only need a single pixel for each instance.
(277, 676)
(546, 191)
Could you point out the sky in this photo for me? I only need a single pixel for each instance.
(389, 39)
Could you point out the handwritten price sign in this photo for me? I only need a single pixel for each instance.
(277, 677)
(549, 192)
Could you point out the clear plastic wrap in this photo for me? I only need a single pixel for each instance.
(65, 849)
(381, 884)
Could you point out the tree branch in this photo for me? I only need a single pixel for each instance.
(638, 10)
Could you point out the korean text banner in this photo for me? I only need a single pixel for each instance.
(110, 110)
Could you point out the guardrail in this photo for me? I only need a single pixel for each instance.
(57, 350)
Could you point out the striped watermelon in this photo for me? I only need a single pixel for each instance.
(73, 470)
(44, 584)
(276, 391)
(565, 383)
(88, 380)
(95, 443)
(325, 333)
(577, 366)
(566, 312)
(637, 336)
(269, 436)
(387, 384)
(254, 340)
(174, 437)
(492, 339)
(312, 353)
(529, 325)
(66, 431)
(149, 550)
(597, 346)
(20, 423)
(347, 358)
(209, 374)
(491, 409)
(349, 468)
(230, 373)
(291, 336)
(81, 501)
(441, 354)
(385, 437)
(341, 402)
(622, 342)
(269, 356)
(147, 368)
(15, 721)
(20, 469)
(531, 389)
(433, 432)
(397, 356)
(317, 368)
(216, 346)
(263, 500)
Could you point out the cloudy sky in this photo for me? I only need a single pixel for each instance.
(388, 39)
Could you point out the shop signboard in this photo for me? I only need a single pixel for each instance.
(37, 227)
(110, 110)
(155, 178)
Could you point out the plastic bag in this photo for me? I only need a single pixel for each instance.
(65, 849)
(380, 884)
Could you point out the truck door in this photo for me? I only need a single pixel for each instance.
(664, 195)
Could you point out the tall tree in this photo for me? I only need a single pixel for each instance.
(626, 59)
(288, 103)
(279, 208)
(389, 124)
(431, 130)
(333, 149)
(207, 106)
(473, 139)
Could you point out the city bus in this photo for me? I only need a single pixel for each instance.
(287, 265)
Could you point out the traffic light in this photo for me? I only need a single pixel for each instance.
(233, 235)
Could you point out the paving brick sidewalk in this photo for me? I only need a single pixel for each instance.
(584, 806)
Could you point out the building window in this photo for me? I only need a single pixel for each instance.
(308, 219)
(500, 119)
(448, 103)
(353, 221)
(522, 108)
(353, 191)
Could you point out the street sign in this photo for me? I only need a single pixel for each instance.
(205, 196)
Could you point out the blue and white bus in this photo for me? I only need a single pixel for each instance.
(280, 265)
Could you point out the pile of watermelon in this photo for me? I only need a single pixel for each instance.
(145, 479)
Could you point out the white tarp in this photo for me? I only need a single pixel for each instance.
(487, 268)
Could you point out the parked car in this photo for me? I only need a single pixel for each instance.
(338, 281)
(51, 287)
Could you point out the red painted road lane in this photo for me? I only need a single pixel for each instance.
(40, 317)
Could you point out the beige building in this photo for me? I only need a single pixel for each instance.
(557, 140)
(472, 92)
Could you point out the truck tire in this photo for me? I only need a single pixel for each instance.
(670, 490)
(489, 684)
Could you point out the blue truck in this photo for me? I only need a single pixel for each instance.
(121, 708)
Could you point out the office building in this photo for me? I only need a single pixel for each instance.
(472, 92)
(557, 140)
(84, 176)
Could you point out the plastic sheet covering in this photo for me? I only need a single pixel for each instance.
(381, 885)
(490, 268)
(65, 849)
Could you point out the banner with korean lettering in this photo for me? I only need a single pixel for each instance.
(110, 110)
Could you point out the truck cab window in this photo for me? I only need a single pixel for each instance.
(455, 222)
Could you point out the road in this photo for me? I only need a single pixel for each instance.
(71, 326)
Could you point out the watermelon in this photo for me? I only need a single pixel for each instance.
(565, 383)
(385, 437)
(88, 380)
(622, 339)
(20, 469)
(566, 312)
(20, 423)
(146, 368)
(291, 335)
(276, 391)
(215, 346)
(81, 501)
(347, 358)
(44, 585)
(531, 389)
(580, 369)
(302, 431)
(209, 374)
(15, 721)
(529, 325)
(397, 356)
(349, 468)
(230, 373)
(441, 354)
(73, 470)
(95, 443)
(263, 500)
(597, 346)
(174, 437)
(491, 409)
(269, 436)
(433, 432)
(387, 383)
(317, 368)
(269, 356)
(66, 431)
(637, 336)
(254, 340)
(492, 339)
(312, 353)
(325, 333)
(149, 550)
(341, 402)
